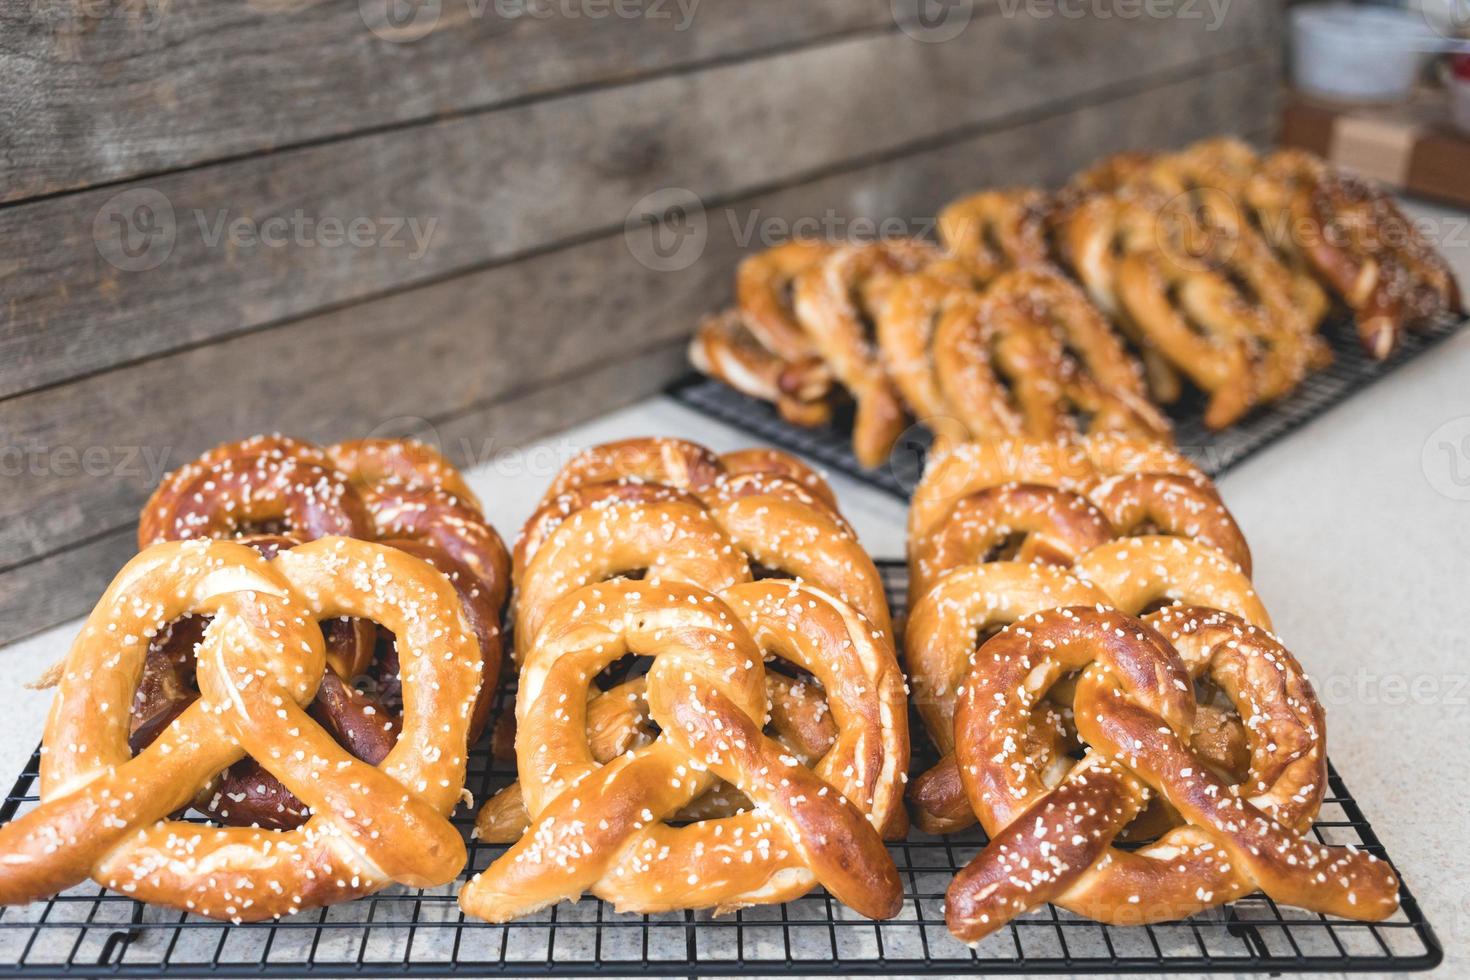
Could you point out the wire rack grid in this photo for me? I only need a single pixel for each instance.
(1215, 452)
(87, 931)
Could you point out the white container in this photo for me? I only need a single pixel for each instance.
(1350, 53)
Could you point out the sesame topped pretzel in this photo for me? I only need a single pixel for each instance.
(399, 492)
(601, 828)
(104, 812)
(1133, 707)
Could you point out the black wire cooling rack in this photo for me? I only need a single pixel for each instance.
(87, 931)
(1215, 452)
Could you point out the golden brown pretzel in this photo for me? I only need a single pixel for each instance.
(672, 540)
(994, 231)
(725, 349)
(764, 289)
(1182, 506)
(600, 828)
(1077, 465)
(677, 463)
(617, 721)
(837, 302)
(779, 463)
(1056, 354)
(1031, 522)
(261, 661)
(1133, 707)
(939, 643)
(906, 326)
(399, 462)
(1194, 320)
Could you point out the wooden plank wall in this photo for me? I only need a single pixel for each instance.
(218, 219)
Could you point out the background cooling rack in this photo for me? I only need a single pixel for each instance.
(88, 931)
(1215, 452)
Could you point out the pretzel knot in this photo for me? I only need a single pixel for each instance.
(1134, 708)
(103, 811)
(601, 828)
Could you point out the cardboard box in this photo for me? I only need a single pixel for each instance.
(1412, 147)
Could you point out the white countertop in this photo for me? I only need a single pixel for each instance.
(1359, 524)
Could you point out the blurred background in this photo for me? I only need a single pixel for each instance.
(496, 218)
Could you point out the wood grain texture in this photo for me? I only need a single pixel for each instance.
(106, 90)
(66, 584)
(469, 344)
(492, 187)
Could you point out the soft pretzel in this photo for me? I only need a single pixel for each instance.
(399, 462)
(835, 301)
(231, 491)
(906, 328)
(939, 643)
(1077, 465)
(599, 828)
(1031, 355)
(1133, 707)
(764, 289)
(724, 348)
(677, 463)
(779, 463)
(994, 231)
(261, 661)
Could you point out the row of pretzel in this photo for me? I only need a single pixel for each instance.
(710, 709)
(1126, 688)
(302, 650)
(1051, 314)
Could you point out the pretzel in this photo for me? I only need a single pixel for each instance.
(724, 348)
(672, 540)
(617, 721)
(764, 288)
(229, 491)
(677, 463)
(778, 463)
(994, 231)
(1133, 708)
(905, 328)
(836, 301)
(599, 828)
(1030, 355)
(405, 463)
(262, 659)
(1094, 233)
(1077, 465)
(1206, 335)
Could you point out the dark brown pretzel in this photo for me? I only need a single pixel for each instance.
(1134, 710)
(243, 493)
